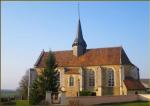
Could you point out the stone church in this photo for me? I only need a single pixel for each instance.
(103, 71)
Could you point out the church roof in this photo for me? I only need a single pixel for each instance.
(145, 82)
(79, 37)
(92, 57)
(132, 84)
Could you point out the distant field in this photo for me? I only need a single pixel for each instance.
(8, 93)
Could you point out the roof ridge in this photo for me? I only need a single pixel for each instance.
(105, 47)
(89, 49)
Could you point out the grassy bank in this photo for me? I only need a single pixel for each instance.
(135, 103)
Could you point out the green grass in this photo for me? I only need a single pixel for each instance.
(22, 103)
(135, 103)
(11, 103)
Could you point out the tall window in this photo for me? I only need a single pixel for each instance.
(110, 78)
(91, 78)
(58, 81)
(71, 81)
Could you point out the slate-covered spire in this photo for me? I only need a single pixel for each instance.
(79, 45)
(79, 37)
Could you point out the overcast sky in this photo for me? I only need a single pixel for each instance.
(29, 27)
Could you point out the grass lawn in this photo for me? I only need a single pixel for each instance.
(135, 103)
(22, 103)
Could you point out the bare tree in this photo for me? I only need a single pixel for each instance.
(23, 86)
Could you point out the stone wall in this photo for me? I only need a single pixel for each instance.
(32, 76)
(131, 92)
(39, 70)
(124, 90)
(144, 97)
(100, 87)
(71, 90)
(106, 90)
(90, 100)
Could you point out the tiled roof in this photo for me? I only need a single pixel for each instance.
(132, 84)
(92, 57)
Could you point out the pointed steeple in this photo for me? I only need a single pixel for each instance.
(79, 37)
(79, 45)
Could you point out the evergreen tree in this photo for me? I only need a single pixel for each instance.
(47, 81)
(35, 96)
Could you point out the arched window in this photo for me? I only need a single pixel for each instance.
(91, 78)
(110, 78)
(58, 78)
(71, 81)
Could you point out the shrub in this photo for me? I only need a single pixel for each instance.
(85, 93)
(4, 99)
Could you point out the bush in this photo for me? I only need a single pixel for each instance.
(9, 103)
(85, 93)
(93, 93)
(4, 99)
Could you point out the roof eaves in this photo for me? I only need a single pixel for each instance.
(39, 58)
(120, 54)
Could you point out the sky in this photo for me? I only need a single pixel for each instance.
(29, 27)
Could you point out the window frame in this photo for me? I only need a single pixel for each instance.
(71, 81)
(91, 78)
(59, 78)
(111, 76)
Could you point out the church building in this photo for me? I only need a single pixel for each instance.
(103, 71)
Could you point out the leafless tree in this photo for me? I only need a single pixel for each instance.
(23, 86)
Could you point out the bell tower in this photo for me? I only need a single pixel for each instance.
(79, 45)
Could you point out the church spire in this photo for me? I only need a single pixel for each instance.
(79, 37)
(79, 45)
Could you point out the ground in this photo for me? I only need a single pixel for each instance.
(22, 103)
(135, 103)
